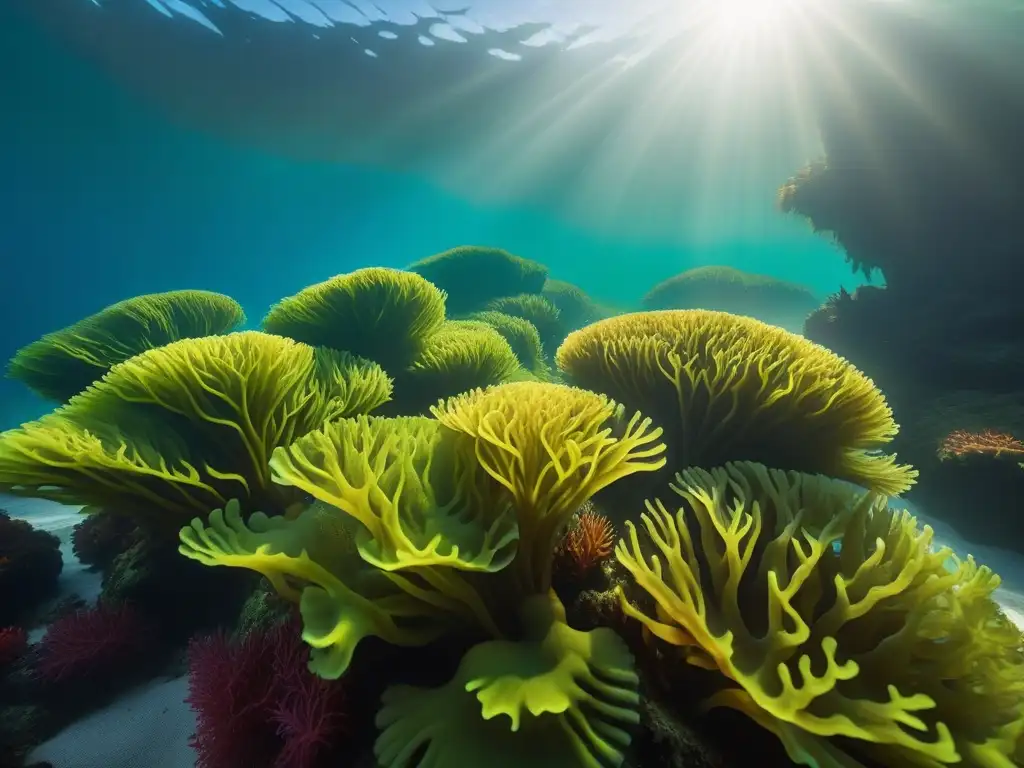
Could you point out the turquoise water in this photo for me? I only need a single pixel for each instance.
(105, 195)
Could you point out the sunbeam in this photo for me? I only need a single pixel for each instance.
(668, 118)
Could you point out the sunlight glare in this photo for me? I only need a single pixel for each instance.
(748, 19)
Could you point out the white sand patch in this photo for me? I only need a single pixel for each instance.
(149, 727)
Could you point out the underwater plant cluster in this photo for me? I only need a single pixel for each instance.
(465, 515)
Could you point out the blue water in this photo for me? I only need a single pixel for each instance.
(104, 197)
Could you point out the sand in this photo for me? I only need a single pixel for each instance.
(149, 727)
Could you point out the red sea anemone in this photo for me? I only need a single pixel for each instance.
(258, 705)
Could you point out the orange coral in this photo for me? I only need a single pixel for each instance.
(988, 442)
(589, 541)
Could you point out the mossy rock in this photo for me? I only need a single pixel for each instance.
(30, 566)
(576, 309)
(474, 275)
(725, 289)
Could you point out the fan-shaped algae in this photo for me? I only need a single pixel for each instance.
(384, 315)
(830, 615)
(63, 363)
(180, 429)
(729, 388)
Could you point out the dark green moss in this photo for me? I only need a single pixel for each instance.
(472, 276)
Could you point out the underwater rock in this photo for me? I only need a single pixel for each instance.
(948, 360)
(30, 565)
(21, 727)
(898, 190)
(979, 493)
(943, 339)
(177, 595)
(262, 611)
(664, 741)
(103, 535)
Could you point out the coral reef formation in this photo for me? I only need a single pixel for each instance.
(521, 335)
(397, 319)
(462, 355)
(588, 542)
(416, 523)
(440, 525)
(726, 289)
(988, 442)
(101, 537)
(544, 316)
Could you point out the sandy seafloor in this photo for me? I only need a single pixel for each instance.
(149, 727)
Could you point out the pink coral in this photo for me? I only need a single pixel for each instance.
(258, 705)
(92, 641)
